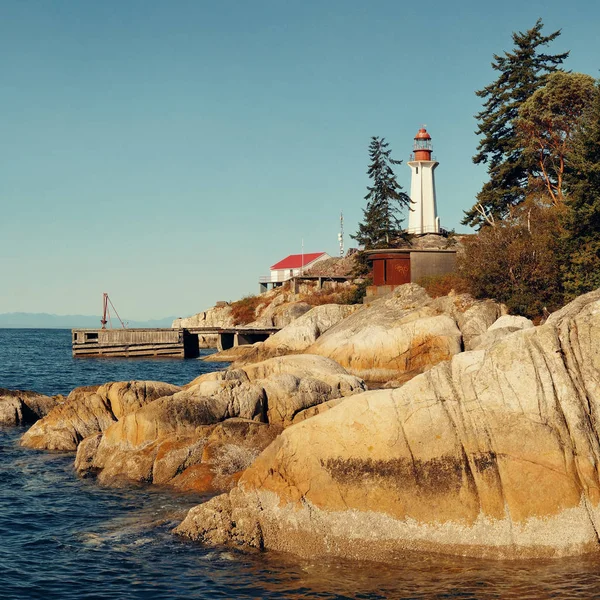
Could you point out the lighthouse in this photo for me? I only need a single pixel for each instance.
(422, 217)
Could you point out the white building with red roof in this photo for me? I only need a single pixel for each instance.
(293, 265)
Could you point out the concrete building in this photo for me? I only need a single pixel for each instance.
(396, 266)
(291, 266)
(422, 217)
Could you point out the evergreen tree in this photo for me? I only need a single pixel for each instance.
(382, 224)
(547, 123)
(582, 220)
(522, 72)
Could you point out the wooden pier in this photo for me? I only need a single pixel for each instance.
(179, 343)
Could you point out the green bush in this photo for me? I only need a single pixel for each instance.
(518, 261)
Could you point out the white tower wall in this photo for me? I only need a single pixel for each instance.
(422, 216)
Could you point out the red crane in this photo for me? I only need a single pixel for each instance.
(106, 312)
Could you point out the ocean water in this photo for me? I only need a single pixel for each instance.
(62, 537)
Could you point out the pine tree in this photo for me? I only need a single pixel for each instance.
(547, 123)
(522, 72)
(385, 199)
(582, 220)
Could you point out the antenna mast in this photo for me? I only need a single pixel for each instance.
(341, 235)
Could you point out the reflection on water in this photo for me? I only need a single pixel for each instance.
(65, 538)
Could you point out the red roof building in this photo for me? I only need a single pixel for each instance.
(293, 265)
(298, 261)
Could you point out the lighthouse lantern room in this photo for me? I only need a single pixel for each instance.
(422, 217)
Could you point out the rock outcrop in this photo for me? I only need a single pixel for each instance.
(217, 316)
(294, 338)
(205, 435)
(473, 317)
(90, 410)
(395, 337)
(304, 331)
(495, 453)
(386, 342)
(499, 329)
(280, 312)
(24, 407)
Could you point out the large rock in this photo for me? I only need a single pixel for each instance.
(202, 437)
(291, 383)
(280, 312)
(495, 453)
(90, 410)
(23, 407)
(390, 337)
(218, 316)
(405, 333)
(498, 330)
(473, 317)
(162, 439)
(293, 338)
(227, 452)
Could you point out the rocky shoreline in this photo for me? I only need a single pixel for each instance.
(483, 441)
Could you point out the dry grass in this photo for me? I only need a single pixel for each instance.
(244, 311)
(343, 295)
(442, 285)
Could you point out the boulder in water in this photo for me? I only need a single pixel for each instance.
(204, 436)
(91, 409)
(24, 407)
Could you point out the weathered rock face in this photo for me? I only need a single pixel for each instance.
(218, 316)
(305, 330)
(291, 384)
(500, 329)
(24, 408)
(304, 368)
(90, 410)
(391, 336)
(202, 437)
(280, 312)
(229, 450)
(293, 338)
(494, 453)
(396, 337)
(473, 317)
(160, 440)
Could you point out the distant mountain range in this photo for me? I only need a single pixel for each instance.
(46, 321)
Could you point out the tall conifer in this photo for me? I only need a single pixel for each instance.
(582, 220)
(385, 199)
(522, 72)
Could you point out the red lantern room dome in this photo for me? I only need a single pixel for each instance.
(422, 146)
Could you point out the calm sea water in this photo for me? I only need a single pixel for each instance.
(66, 538)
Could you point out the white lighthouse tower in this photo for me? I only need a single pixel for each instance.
(422, 216)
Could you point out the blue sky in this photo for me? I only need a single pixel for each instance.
(170, 152)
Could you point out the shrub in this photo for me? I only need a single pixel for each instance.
(321, 297)
(244, 311)
(442, 285)
(517, 261)
(356, 293)
(348, 294)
